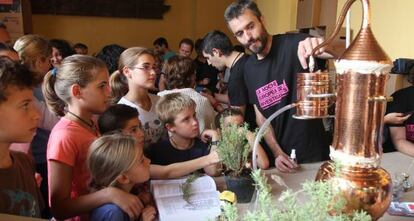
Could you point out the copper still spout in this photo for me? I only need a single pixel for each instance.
(360, 106)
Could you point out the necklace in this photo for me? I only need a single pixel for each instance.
(89, 124)
(180, 147)
(235, 59)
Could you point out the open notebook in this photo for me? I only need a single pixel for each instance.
(204, 201)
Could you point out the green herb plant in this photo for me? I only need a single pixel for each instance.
(234, 147)
(322, 204)
(186, 186)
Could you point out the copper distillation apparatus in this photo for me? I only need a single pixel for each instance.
(361, 73)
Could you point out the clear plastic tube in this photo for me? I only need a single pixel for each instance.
(264, 127)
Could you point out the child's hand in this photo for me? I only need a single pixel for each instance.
(209, 135)
(213, 157)
(148, 213)
(145, 197)
(129, 203)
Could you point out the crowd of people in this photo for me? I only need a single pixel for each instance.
(92, 130)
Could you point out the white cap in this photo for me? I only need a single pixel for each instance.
(293, 154)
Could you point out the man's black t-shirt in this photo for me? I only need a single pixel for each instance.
(163, 152)
(403, 102)
(271, 84)
(237, 91)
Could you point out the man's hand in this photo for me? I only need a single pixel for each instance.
(283, 164)
(305, 49)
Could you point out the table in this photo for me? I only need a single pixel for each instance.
(394, 162)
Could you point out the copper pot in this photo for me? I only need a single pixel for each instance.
(362, 188)
(314, 93)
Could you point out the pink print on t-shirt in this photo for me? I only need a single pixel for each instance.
(271, 93)
(409, 132)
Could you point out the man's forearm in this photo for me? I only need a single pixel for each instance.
(405, 146)
(269, 135)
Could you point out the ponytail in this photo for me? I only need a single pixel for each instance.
(75, 69)
(119, 86)
(54, 103)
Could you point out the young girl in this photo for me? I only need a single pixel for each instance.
(117, 160)
(137, 70)
(235, 116)
(76, 91)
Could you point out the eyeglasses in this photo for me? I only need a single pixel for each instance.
(146, 68)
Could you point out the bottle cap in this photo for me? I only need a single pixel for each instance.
(293, 154)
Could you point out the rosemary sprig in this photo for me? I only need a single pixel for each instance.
(186, 186)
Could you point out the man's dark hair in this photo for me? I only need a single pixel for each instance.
(219, 40)
(13, 74)
(115, 118)
(235, 9)
(80, 45)
(110, 55)
(160, 42)
(239, 48)
(63, 46)
(198, 46)
(227, 112)
(187, 41)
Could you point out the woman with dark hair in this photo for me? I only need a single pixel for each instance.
(60, 50)
(110, 55)
(180, 78)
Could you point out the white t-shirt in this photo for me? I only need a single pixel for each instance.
(205, 112)
(153, 128)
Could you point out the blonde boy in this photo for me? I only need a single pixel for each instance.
(183, 149)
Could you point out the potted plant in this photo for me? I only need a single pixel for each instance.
(234, 151)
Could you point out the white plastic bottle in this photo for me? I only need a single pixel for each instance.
(293, 156)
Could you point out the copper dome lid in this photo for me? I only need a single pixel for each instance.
(364, 47)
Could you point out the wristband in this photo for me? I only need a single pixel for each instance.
(215, 142)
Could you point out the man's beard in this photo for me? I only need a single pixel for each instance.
(257, 49)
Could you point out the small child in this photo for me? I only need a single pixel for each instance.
(120, 117)
(235, 116)
(183, 152)
(19, 193)
(117, 160)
